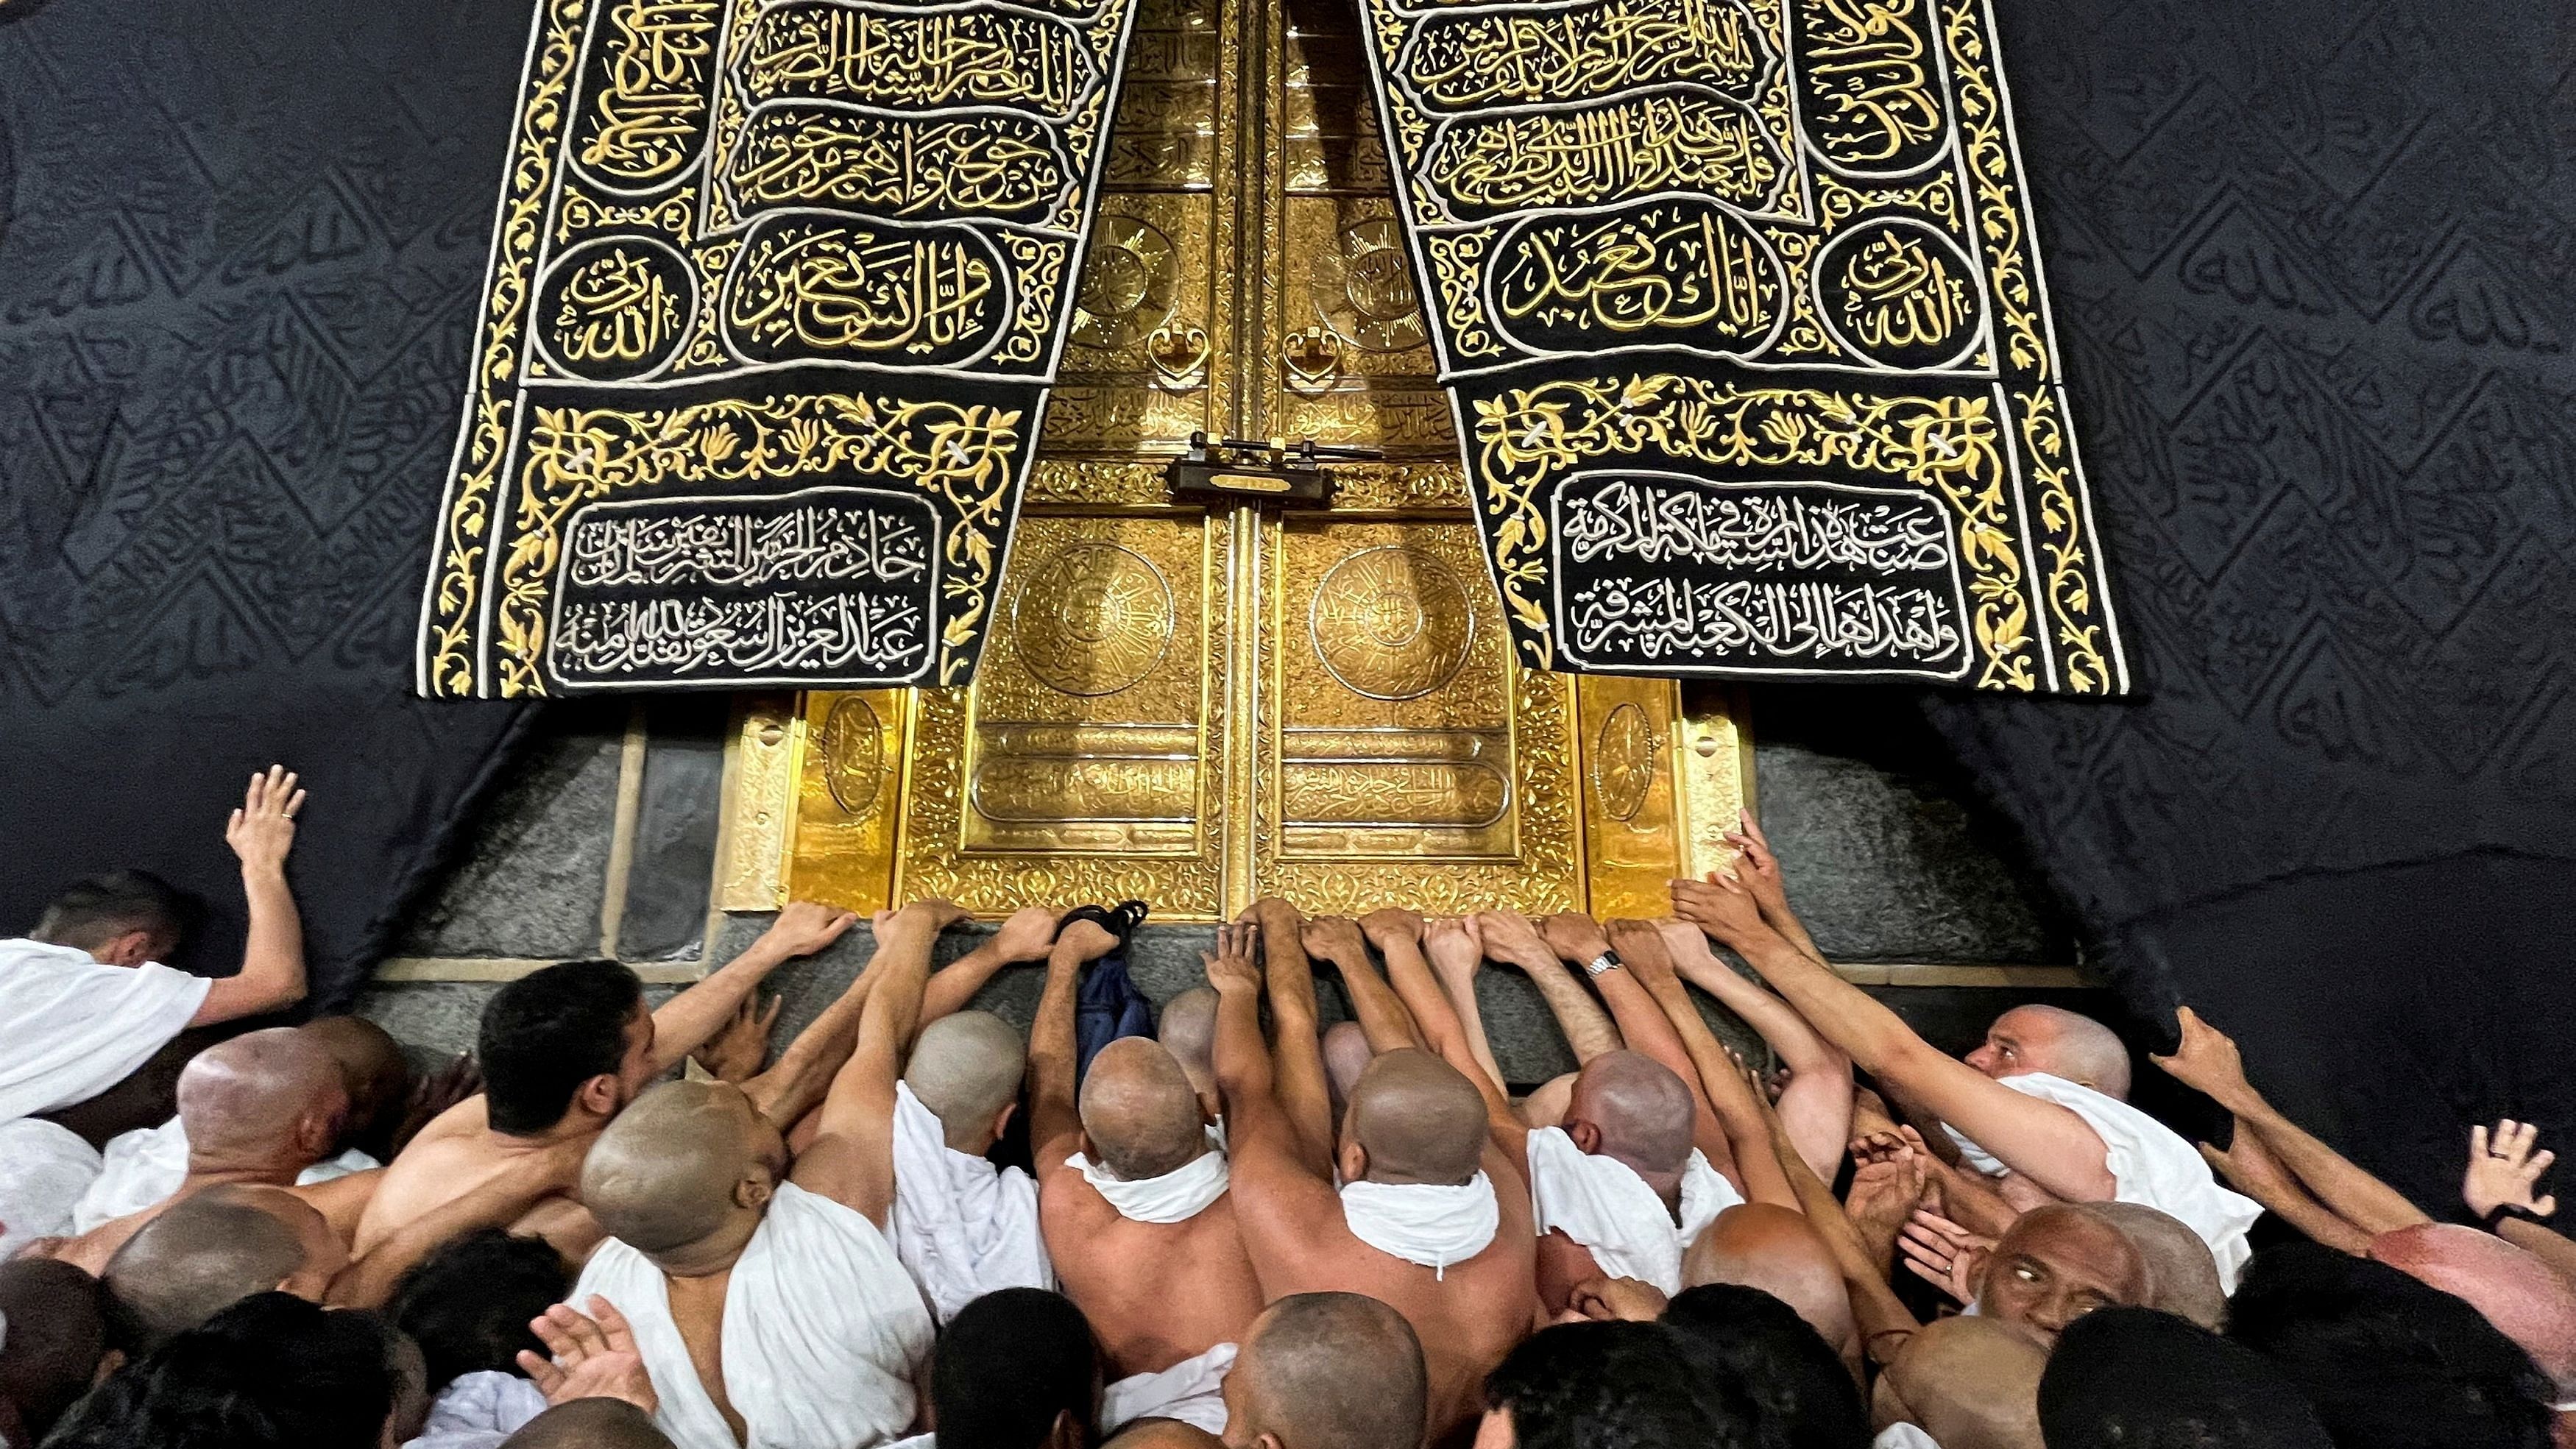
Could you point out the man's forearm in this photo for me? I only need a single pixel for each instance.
(794, 1084)
(1294, 1070)
(1381, 1012)
(691, 1019)
(1586, 1026)
(369, 1280)
(2344, 1188)
(2543, 1242)
(954, 985)
(272, 971)
(1862, 1029)
(1054, 1054)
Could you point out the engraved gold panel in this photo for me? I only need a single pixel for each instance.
(1148, 276)
(846, 752)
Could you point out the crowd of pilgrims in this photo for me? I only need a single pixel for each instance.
(621, 1224)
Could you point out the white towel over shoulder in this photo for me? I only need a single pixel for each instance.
(146, 1165)
(77, 1028)
(1603, 1204)
(2150, 1163)
(962, 1226)
(1426, 1224)
(824, 1336)
(1192, 1391)
(480, 1410)
(43, 1171)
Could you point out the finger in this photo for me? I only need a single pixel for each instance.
(2478, 1141)
(1937, 1280)
(544, 1375)
(2543, 1207)
(235, 823)
(257, 792)
(294, 804)
(552, 1333)
(614, 1327)
(2530, 1171)
(769, 1018)
(282, 783)
(2524, 1136)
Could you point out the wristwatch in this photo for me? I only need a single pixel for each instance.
(1606, 961)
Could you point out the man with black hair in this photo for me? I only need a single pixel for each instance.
(2389, 1362)
(57, 1319)
(1804, 1397)
(563, 1050)
(270, 1372)
(1017, 1369)
(1644, 1385)
(468, 1304)
(2135, 1378)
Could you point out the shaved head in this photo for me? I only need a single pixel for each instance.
(1163, 1434)
(589, 1424)
(1970, 1383)
(1328, 1371)
(1188, 1031)
(1759, 1245)
(1139, 1110)
(207, 1252)
(1346, 1055)
(2054, 1265)
(1417, 1119)
(2517, 1292)
(2182, 1277)
(1640, 1109)
(262, 1098)
(682, 1163)
(2059, 1042)
(966, 1068)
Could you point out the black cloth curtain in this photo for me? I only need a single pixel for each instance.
(2311, 265)
(240, 248)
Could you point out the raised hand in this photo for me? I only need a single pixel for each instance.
(594, 1357)
(1235, 964)
(262, 830)
(1887, 1188)
(1334, 938)
(1758, 869)
(1084, 941)
(737, 1052)
(1391, 923)
(1614, 1300)
(1641, 946)
(2503, 1170)
(804, 928)
(1456, 950)
(1275, 916)
(1944, 1254)
(2207, 1061)
(1026, 935)
(1575, 938)
(1509, 936)
(1719, 906)
(922, 919)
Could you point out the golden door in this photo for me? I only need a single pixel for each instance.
(1197, 708)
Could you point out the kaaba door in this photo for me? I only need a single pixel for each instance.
(1199, 708)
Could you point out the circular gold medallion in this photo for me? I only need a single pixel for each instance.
(853, 755)
(1129, 279)
(1392, 623)
(1623, 762)
(1092, 619)
(1363, 289)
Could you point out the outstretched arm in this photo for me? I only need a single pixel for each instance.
(2505, 1173)
(1382, 1017)
(1885, 1323)
(851, 1159)
(1296, 1059)
(2042, 1141)
(689, 1020)
(1816, 1106)
(1055, 1117)
(554, 1170)
(1398, 935)
(2207, 1061)
(1511, 939)
(1022, 938)
(261, 833)
(1735, 1105)
(1456, 953)
(2251, 1169)
(794, 1084)
(1759, 871)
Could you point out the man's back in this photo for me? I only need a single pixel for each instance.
(1156, 1293)
(453, 1156)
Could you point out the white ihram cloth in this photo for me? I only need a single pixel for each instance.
(2149, 1162)
(76, 1028)
(824, 1336)
(43, 1171)
(479, 1410)
(1601, 1203)
(961, 1226)
(1175, 1197)
(1904, 1436)
(1192, 1391)
(1424, 1224)
(146, 1165)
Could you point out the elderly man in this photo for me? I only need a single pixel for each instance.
(1430, 1219)
(2039, 1105)
(766, 1300)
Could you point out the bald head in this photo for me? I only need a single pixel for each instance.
(1416, 1119)
(1759, 1245)
(2059, 1042)
(966, 1069)
(589, 1424)
(207, 1252)
(685, 1163)
(264, 1098)
(1163, 1434)
(1188, 1031)
(1346, 1055)
(2054, 1265)
(57, 1321)
(1327, 1371)
(1639, 1111)
(1970, 1383)
(2182, 1276)
(1139, 1110)
(372, 1066)
(2516, 1291)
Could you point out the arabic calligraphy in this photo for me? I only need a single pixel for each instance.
(1680, 520)
(1871, 108)
(809, 288)
(1455, 62)
(993, 165)
(826, 637)
(1669, 272)
(735, 548)
(1898, 293)
(616, 308)
(644, 119)
(1748, 624)
(917, 62)
(1635, 145)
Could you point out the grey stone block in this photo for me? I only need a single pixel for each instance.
(532, 874)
